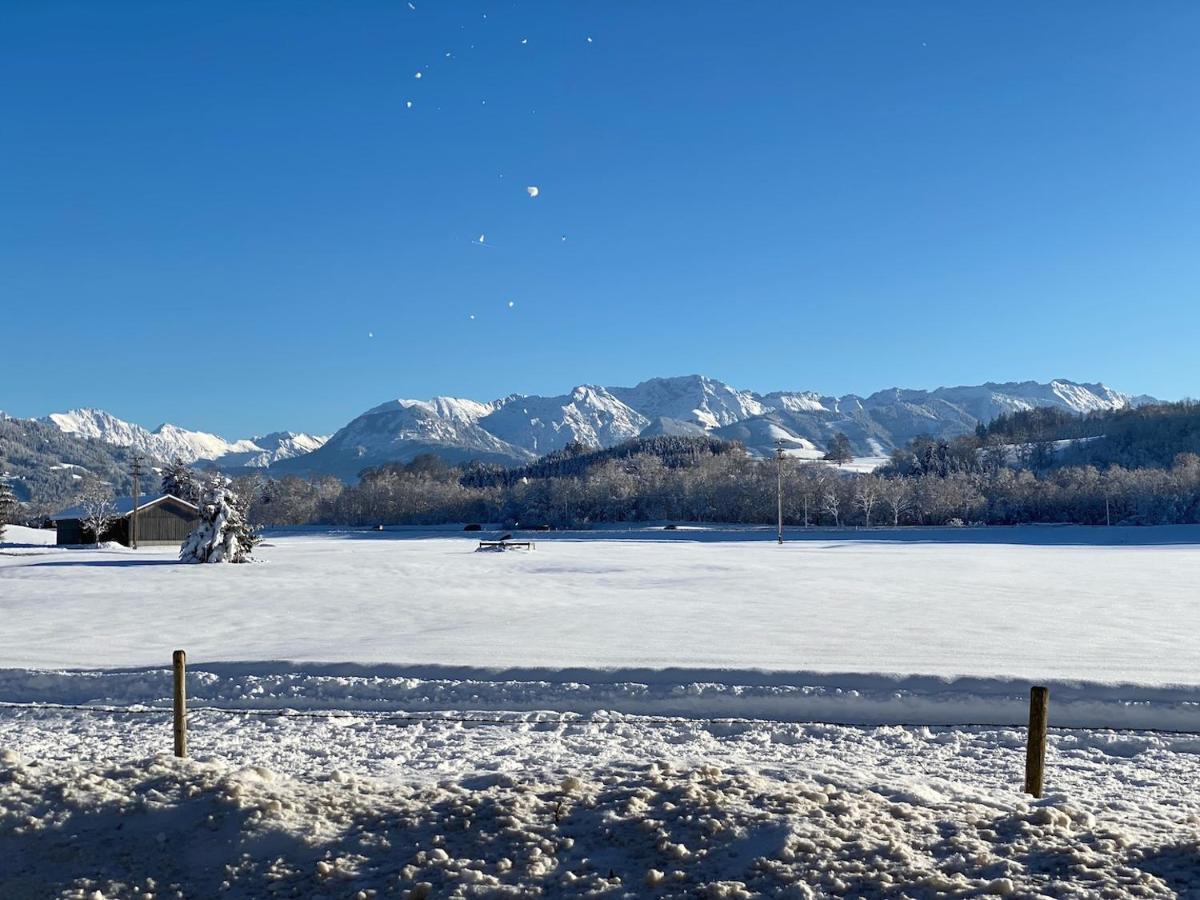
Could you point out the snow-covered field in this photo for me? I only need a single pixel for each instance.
(619, 713)
(924, 627)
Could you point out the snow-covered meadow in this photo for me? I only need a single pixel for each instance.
(1048, 603)
(621, 713)
(911, 626)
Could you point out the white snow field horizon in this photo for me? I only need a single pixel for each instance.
(624, 712)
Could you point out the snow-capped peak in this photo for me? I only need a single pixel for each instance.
(795, 401)
(455, 409)
(168, 441)
(1088, 397)
(100, 425)
(691, 398)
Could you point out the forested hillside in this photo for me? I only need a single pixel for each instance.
(577, 459)
(1135, 437)
(45, 466)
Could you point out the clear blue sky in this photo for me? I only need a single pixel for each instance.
(206, 207)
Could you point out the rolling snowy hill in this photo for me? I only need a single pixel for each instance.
(518, 428)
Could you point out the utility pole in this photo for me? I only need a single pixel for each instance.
(133, 520)
(779, 485)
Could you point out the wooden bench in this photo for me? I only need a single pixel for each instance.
(503, 544)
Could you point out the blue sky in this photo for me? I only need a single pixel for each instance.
(206, 209)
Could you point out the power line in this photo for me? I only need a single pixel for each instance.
(136, 461)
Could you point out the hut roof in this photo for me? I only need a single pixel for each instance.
(123, 506)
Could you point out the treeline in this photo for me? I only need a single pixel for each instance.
(576, 458)
(729, 486)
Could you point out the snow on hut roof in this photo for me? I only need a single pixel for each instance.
(122, 506)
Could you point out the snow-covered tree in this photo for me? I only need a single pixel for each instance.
(180, 481)
(897, 494)
(866, 495)
(832, 500)
(98, 510)
(224, 534)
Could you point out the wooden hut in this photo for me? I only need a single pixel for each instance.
(162, 520)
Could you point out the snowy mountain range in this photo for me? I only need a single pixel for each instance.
(168, 441)
(519, 428)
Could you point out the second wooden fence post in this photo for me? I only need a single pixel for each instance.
(179, 663)
(1035, 752)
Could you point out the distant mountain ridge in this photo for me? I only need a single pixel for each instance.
(46, 459)
(519, 428)
(168, 441)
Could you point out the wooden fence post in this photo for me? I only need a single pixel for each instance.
(179, 662)
(1035, 752)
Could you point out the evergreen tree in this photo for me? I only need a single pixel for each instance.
(8, 503)
(180, 481)
(224, 534)
(840, 450)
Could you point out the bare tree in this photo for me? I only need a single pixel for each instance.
(866, 495)
(98, 510)
(897, 494)
(831, 500)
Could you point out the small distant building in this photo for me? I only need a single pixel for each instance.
(163, 519)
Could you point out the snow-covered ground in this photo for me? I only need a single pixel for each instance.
(624, 713)
(919, 627)
(835, 603)
(559, 806)
(18, 536)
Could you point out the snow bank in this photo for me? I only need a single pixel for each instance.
(158, 826)
(21, 536)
